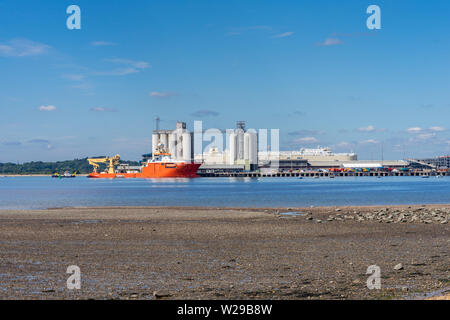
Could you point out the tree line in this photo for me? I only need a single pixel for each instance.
(80, 166)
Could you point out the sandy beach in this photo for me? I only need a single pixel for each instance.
(216, 253)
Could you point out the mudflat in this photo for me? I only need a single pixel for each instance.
(232, 253)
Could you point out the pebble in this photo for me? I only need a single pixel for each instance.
(398, 267)
(161, 294)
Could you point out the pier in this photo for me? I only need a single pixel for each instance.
(313, 174)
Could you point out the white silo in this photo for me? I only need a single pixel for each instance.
(240, 144)
(253, 148)
(172, 145)
(155, 141)
(179, 145)
(187, 147)
(232, 156)
(246, 146)
(164, 139)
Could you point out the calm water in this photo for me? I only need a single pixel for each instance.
(45, 192)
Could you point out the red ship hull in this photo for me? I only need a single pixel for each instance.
(156, 170)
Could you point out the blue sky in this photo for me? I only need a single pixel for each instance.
(310, 68)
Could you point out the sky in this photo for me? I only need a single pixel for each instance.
(312, 69)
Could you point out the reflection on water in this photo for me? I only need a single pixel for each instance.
(45, 192)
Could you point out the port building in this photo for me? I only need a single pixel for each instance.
(440, 163)
(242, 154)
(177, 142)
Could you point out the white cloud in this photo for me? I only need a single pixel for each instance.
(22, 48)
(284, 35)
(47, 108)
(157, 94)
(117, 72)
(438, 129)
(366, 129)
(102, 109)
(371, 128)
(132, 66)
(330, 42)
(102, 43)
(426, 136)
(307, 140)
(369, 141)
(133, 63)
(344, 144)
(414, 129)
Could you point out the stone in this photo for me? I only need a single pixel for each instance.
(398, 267)
(161, 294)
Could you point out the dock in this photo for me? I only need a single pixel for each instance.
(313, 174)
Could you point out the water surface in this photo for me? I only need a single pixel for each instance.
(46, 192)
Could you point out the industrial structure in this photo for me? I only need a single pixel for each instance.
(173, 156)
(178, 143)
(251, 159)
(110, 161)
(438, 163)
(241, 152)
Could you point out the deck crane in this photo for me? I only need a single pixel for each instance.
(113, 161)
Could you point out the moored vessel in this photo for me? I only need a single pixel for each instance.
(160, 166)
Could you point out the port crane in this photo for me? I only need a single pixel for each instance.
(113, 161)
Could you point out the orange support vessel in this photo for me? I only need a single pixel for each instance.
(161, 166)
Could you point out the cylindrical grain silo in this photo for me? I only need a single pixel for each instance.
(179, 146)
(155, 141)
(246, 146)
(232, 148)
(253, 148)
(172, 145)
(187, 147)
(164, 139)
(240, 144)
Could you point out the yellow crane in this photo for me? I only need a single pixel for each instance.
(112, 162)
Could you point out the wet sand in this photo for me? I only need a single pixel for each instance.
(216, 253)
